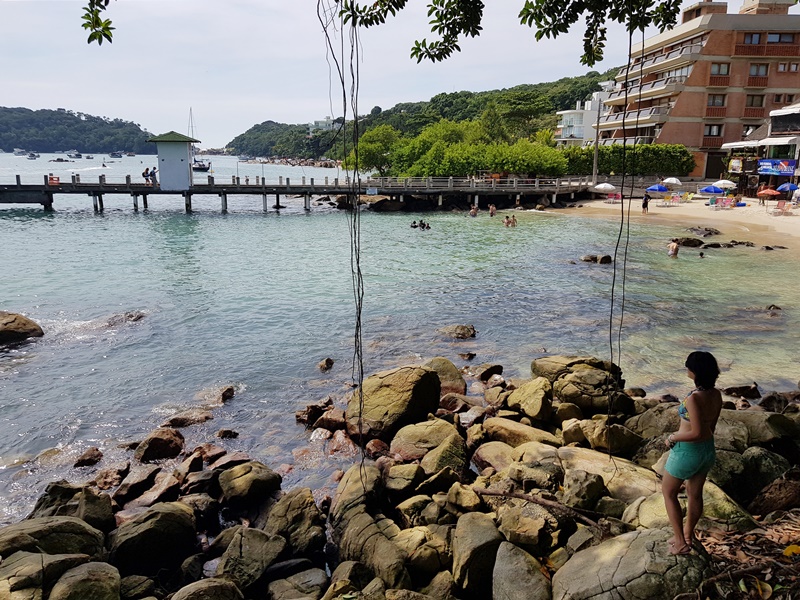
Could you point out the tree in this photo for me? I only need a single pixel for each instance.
(376, 110)
(545, 137)
(493, 125)
(374, 149)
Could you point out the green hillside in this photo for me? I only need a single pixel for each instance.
(58, 130)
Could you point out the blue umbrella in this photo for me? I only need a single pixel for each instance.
(787, 187)
(658, 188)
(712, 189)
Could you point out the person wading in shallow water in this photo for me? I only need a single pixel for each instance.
(672, 249)
(692, 452)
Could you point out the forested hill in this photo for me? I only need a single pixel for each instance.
(58, 130)
(522, 110)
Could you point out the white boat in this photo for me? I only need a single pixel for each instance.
(198, 164)
(115, 154)
(32, 156)
(20, 152)
(74, 154)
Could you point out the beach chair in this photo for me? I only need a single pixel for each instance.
(726, 203)
(782, 209)
(712, 203)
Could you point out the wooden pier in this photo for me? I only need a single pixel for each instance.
(398, 188)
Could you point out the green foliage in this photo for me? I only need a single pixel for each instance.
(279, 139)
(546, 137)
(99, 29)
(643, 159)
(57, 130)
(452, 19)
(374, 149)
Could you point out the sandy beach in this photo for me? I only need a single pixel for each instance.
(753, 222)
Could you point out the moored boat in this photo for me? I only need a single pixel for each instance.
(115, 154)
(74, 154)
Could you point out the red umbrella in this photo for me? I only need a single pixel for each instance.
(769, 192)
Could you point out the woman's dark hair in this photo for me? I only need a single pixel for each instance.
(705, 369)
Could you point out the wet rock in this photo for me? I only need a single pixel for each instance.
(332, 420)
(748, 392)
(131, 316)
(309, 415)
(135, 483)
(340, 444)
(90, 457)
(16, 328)
(112, 476)
(775, 402)
(96, 580)
(189, 417)
(201, 482)
(247, 557)
(205, 510)
(52, 535)
(459, 402)
(296, 517)
(376, 448)
(165, 489)
(159, 538)
(227, 434)
(459, 332)
(326, 364)
(214, 397)
(210, 452)
(412, 442)
(162, 443)
(230, 460)
(391, 400)
(450, 378)
(191, 464)
(466, 355)
(247, 483)
(28, 573)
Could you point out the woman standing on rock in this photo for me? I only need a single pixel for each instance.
(692, 451)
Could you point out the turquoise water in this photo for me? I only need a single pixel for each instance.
(258, 300)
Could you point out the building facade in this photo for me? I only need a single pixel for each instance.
(709, 81)
(576, 127)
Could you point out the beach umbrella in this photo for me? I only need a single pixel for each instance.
(658, 188)
(725, 184)
(672, 181)
(711, 189)
(787, 187)
(769, 192)
(605, 187)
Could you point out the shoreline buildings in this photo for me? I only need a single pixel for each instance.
(712, 80)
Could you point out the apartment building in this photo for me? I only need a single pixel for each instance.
(576, 126)
(711, 80)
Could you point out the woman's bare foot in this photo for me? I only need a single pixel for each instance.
(684, 549)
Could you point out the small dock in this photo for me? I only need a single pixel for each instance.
(472, 190)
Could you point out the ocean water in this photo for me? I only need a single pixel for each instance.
(257, 300)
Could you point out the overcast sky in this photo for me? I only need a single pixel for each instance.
(240, 62)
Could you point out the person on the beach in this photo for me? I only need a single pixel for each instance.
(473, 212)
(414, 225)
(492, 210)
(507, 221)
(645, 203)
(692, 451)
(672, 249)
(513, 220)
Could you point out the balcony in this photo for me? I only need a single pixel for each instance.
(759, 82)
(753, 112)
(712, 141)
(672, 58)
(716, 112)
(766, 50)
(643, 116)
(629, 141)
(719, 81)
(651, 89)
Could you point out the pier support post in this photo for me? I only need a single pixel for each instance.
(136, 203)
(277, 202)
(307, 202)
(224, 198)
(100, 202)
(518, 199)
(144, 201)
(441, 201)
(555, 198)
(303, 180)
(188, 202)
(401, 198)
(211, 180)
(19, 181)
(476, 200)
(48, 202)
(264, 202)
(94, 203)
(128, 180)
(280, 180)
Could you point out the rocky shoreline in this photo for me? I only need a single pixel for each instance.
(471, 486)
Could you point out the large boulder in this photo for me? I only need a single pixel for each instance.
(31, 572)
(52, 535)
(630, 566)
(249, 554)
(164, 442)
(557, 366)
(591, 390)
(515, 434)
(533, 399)
(414, 441)
(662, 418)
(64, 499)
(614, 438)
(209, 589)
(247, 484)
(497, 455)
(475, 544)
(159, 538)
(296, 517)
(625, 480)
(392, 399)
(451, 453)
(763, 427)
(306, 585)
(518, 576)
(95, 580)
(16, 328)
(451, 379)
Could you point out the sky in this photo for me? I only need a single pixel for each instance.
(236, 63)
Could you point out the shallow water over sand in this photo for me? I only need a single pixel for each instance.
(258, 300)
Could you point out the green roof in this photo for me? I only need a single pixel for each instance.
(173, 136)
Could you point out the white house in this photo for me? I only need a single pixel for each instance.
(576, 126)
(174, 160)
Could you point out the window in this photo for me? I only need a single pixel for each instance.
(752, 38)
(778, 98)
(789, 98)
(755, 101)
(782, 67)
(759, 70)
(780, 38)
(716, 100)
(712, 131)
(720, 68)
(793, 67)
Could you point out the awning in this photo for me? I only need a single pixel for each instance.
(734, 145)
(787, 110)
(779, 141)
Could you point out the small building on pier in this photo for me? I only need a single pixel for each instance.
(174, 161)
